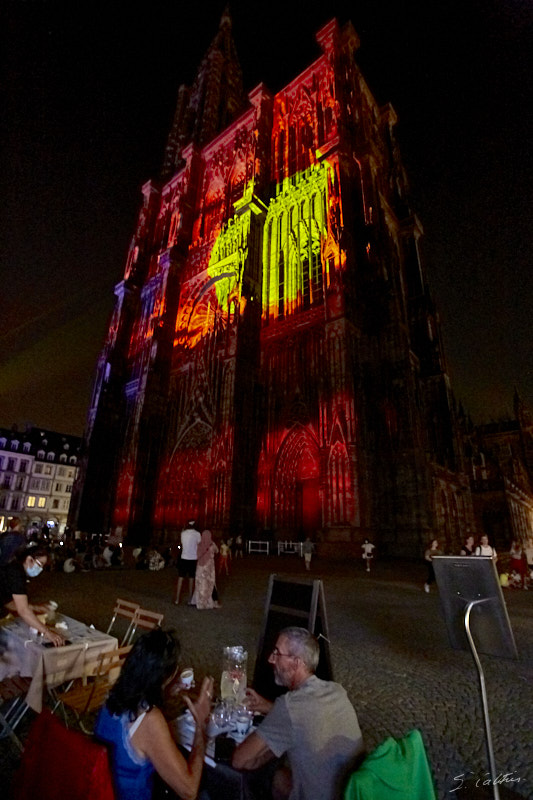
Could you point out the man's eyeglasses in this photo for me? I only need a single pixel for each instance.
(277, 654)
(36, 561)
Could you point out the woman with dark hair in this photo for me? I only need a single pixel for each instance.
(28, 563)
(133, 724)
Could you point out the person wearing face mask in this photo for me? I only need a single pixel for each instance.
(27, 563)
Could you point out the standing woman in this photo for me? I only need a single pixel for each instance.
(132, 723)
(518, 562)
(205, 572)
(468, 548)
(432, 551)
(27, 563)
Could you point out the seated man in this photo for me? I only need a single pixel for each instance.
(314, 724)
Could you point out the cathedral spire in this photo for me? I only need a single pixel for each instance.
(215, 98)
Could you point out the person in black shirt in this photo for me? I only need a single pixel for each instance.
(28, 563)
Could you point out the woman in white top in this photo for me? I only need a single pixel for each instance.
(485, 549)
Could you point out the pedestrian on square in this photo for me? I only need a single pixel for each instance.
(469, 547)
(225, 553)
(518, 562)
(485, 549)
(205, 573)
(307, 550)
(239, 552)
(368, 552)
(432, 551)
(190, 539)
(11, 540)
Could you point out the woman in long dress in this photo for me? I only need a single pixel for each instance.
(205, 572)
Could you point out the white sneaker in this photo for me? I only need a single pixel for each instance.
(426, 587)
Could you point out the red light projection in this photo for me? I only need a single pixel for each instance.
(266, 367)
(284, 253)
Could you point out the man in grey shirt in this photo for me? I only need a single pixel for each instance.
(314, 724)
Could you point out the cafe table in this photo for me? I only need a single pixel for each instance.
(48, 667)
(219, 780)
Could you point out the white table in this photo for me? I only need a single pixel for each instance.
(50, 666)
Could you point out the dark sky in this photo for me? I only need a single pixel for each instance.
(90, 90)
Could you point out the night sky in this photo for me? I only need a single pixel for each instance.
(90, 91)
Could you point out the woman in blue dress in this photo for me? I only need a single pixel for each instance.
(134, 727)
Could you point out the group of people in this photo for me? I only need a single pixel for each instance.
(518, 570)
(310, 735)
(197, 565)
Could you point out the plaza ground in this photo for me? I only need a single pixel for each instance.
(389, 649)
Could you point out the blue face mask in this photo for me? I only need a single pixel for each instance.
(33, 571)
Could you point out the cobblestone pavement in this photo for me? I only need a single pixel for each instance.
(389, 650)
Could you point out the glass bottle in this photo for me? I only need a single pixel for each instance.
(233, 680)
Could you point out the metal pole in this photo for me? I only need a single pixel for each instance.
(488, 735)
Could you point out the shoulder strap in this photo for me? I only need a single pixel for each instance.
(136, 724)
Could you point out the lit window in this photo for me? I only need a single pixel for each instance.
(31, 501)
(42, 502)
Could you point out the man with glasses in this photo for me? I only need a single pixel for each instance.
(313, 725)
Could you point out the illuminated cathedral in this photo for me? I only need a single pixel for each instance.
(274, 364)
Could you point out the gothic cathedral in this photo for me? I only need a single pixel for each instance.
(274, 364)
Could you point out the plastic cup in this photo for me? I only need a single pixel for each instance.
(242, 724)
(187, 678)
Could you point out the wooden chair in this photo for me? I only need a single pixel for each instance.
(146, 620)
(13, 706)
(125, 609)
(89, 693)
(58, 764)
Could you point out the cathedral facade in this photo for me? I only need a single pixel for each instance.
(274, 364)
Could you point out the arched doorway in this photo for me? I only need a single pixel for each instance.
(297, 506)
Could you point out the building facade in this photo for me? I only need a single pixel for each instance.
(37, 472)
(274, 364)
(500, 458)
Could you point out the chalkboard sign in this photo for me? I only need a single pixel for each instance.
(461, 580)
(291, 601)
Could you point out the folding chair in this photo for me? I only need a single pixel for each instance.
(58, 763)
(146, 620)
(12, 694)
(125, 609)
(90, 692)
